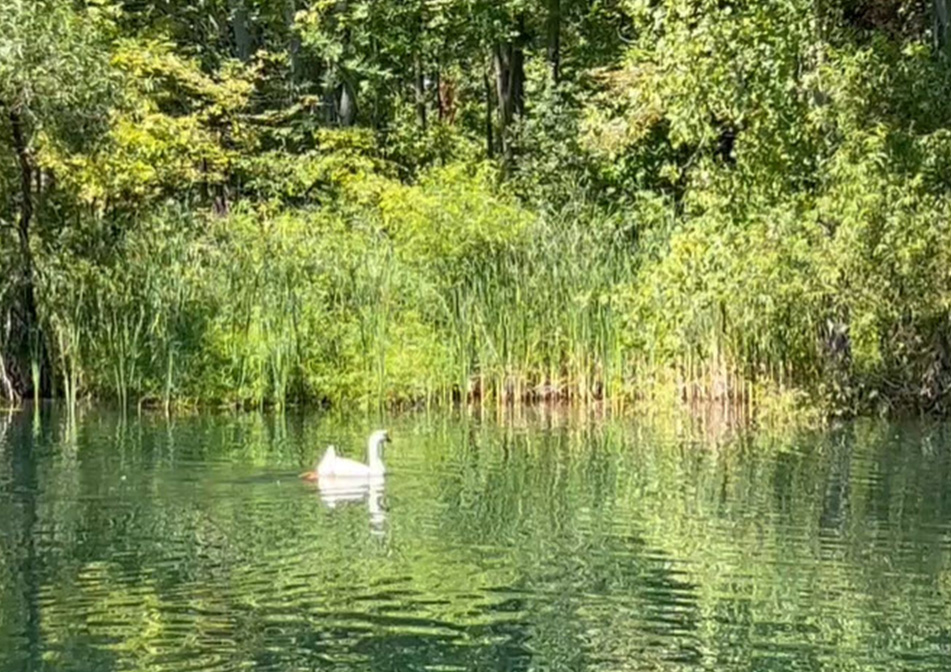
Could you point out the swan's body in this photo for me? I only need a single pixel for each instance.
(332, 465)
(335, 468)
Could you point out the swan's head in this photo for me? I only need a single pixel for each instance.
(379, 437)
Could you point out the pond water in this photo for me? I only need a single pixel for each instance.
(545, 541)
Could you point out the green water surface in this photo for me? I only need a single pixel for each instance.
(544, 542)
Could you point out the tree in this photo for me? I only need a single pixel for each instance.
(54, 84)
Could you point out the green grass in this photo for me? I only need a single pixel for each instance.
(449, 291)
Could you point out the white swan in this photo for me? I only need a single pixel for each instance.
(333, 467)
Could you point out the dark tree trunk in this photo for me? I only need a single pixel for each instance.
(509, 59)
(554, 38)
(347, 107)
(489, 140)
(837, 343)
(346, 92)
(328, 104)
(419, 78)
(446, 96)
(293, 46)
(24, 222)
(942, 26)
(419, 84)
(239, 27)
(220, 203)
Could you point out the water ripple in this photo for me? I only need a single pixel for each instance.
(554, 549)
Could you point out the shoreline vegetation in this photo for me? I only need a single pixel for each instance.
(391, 204)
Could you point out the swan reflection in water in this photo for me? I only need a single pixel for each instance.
(334, 492)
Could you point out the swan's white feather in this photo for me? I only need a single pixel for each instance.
(341, 467)
(332, 466)
(327, 461)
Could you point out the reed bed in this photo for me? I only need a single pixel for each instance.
(447, 292)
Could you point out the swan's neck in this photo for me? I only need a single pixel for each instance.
(375, 457)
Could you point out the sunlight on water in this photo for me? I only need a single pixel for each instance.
(545, 543)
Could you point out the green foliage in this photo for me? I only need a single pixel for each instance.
(390, 202)
(53, 68)
(175, 130)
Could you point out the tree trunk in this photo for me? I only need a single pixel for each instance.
(25, 162)
(293, 45)
(328, 103)
(509, 59)
(554, 38)
(239, 27)
(942, 26)
(347, 107)
(346, 90)
(489, 140)
(24, 222)
(446, 96)
(419, 78)
(419, 84)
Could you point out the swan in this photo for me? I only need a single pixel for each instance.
(334, 467)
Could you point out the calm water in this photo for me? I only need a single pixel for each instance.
(543, 543)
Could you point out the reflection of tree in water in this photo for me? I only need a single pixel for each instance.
(588, 591)
(21, 597)
(585, 547)
(836, 499)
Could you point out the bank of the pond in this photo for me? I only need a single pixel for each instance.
(404, 304)
(451, 291)
(706, 420)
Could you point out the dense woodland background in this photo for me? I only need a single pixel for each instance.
(417, 201)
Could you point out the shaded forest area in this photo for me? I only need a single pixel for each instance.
(424, 201)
